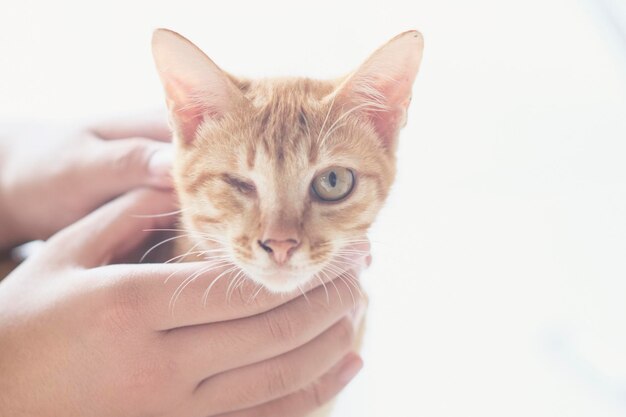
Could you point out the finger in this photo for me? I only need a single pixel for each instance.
(275, 378)
(264, 336)
(175, 296)
(151, 125)
(303, 402)
(113, 230)
(125, 164)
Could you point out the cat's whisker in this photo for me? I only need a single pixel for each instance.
(172, 230)
(239, 282)
(171, 275)
(181, 287)
(345, 261)
(330, 108)
(343, 116)
(159, 244)
(356, 284)
(346, 275)
(214, 258)
(350, 290)
(346, 242)
(348, 253)
(304, 295)
(332, 281)
(250, 300)
(325, 289)
(167, 214)
(332, 130)
(232, 284)
(205, 296)
(205, 236)
(216, 251)
(190, 279)
(242, 281)
(225, 273)
(179, 258)
(188, 253)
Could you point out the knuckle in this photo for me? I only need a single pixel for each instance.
(280, 327)
(279, 380)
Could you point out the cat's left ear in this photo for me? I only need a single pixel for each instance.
(381, 87)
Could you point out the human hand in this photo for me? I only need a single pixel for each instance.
(52, 176)
(80, 336)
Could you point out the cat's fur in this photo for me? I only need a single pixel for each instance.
(248, 151)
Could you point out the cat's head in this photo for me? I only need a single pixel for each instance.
(278, 175)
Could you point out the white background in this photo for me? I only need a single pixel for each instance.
(499, 279)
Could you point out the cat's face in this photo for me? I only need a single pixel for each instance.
(280, 175)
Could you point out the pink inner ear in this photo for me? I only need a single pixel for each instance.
(386, 125)
(188, 109)
(187, 122)
(388, 120)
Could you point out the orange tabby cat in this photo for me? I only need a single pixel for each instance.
(277, 175)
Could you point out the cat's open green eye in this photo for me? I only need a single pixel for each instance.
(333, 184)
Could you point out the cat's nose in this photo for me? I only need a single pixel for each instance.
(280, 250)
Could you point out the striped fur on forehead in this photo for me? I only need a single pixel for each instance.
(287, 114)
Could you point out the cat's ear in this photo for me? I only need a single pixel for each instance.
(381, 87)
(195, 87)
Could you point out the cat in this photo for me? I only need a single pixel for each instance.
(278, 175)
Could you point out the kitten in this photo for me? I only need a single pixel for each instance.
(278, 175)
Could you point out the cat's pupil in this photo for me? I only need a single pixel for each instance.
(332, 179)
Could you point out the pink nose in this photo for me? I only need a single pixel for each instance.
(280, 250)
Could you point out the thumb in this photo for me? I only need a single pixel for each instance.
(129, 163)
(113, 230)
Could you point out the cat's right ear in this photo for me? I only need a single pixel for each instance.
(195, 87)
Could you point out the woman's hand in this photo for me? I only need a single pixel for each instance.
(80, 336)
(51, 176)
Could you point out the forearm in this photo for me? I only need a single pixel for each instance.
(9, 235)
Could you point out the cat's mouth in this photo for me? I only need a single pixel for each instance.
(302, 271)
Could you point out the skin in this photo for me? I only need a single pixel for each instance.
(74, 171)
(82, 334)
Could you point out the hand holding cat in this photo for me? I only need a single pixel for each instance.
(82, 336)
(51, 177)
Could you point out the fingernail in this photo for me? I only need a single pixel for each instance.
(161, 163)
(349, 368)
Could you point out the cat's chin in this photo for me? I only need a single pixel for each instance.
(281, 281)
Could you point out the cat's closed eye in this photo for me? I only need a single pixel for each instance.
(241, 185)
(333, 184)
